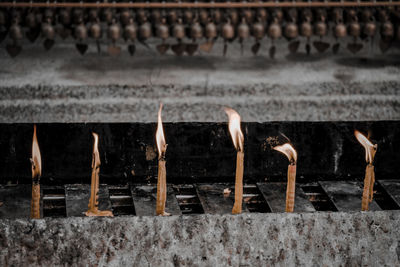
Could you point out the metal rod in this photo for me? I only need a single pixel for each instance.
(203, 5)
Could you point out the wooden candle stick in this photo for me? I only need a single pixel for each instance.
(93, 207)
(162, 172)
(238, 142)
(369, 180)
(291, 154)
(36, 163)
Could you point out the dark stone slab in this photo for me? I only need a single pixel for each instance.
(77, 199)
(145, 197)
(197, 152)
(213, 200)
(392, 187)
(347, 195)
(16, 202)
(275, 195)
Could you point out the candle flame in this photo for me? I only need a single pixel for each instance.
(96, 155)
(370, 149)
(234, 129)
(36, 157)
(289, 152)
(160, 139)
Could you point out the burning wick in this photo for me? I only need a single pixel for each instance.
(238, 142)
(36, 162)
(370, 150)
(162, 173)
(94, 189)
(291, 154)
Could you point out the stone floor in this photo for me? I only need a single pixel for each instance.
(63, 86)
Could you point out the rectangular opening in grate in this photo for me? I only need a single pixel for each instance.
(54, 202)
(318, 197)
(121, 201)
(254, 200)
(384, 200)
(188, 200)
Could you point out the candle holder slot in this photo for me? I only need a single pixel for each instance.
(53, 202)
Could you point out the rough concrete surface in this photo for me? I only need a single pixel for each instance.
(63, 86)
(307, 239)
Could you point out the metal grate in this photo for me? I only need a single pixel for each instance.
(121, 200)
(254, 200)
(188, 200)
(318, 197)
(54, 202)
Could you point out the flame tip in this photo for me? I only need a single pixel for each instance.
(288, 150)
(160, 138)
(370, 148)
(234, 128)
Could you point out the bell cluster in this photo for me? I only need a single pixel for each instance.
(186, 31)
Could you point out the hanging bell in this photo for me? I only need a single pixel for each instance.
(387, 33)
(141, 16)
(130, 34)
(81, 35)
(211, 34)
(354, 31)
(95, 33)
(233, 16)
(258, 31)
(188, 16)
(163, 33)
(114, 33)
(16, 32)
(243, 33)
(64, 17)
(33, 26)
(203, 16)
(228, 33)
(196, 33)
(49, 34)
(178, 31)
(262, 14)
(16, 35)
(145, 31)
(125, 16)
(156, 16)
(248, 15)
(172, 16)
(274, 32)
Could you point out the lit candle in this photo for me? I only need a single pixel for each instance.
(93, 209)
(162, 172)
(291, 154)
(369, 180)
(36, 163)
(238, 142)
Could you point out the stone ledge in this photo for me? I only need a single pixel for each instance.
(308, 239)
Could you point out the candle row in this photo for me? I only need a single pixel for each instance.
(234, 122)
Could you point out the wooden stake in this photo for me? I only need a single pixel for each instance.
(237, 207)
(369, 181)
(291, 187)
(161, 188)
(93, 209)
